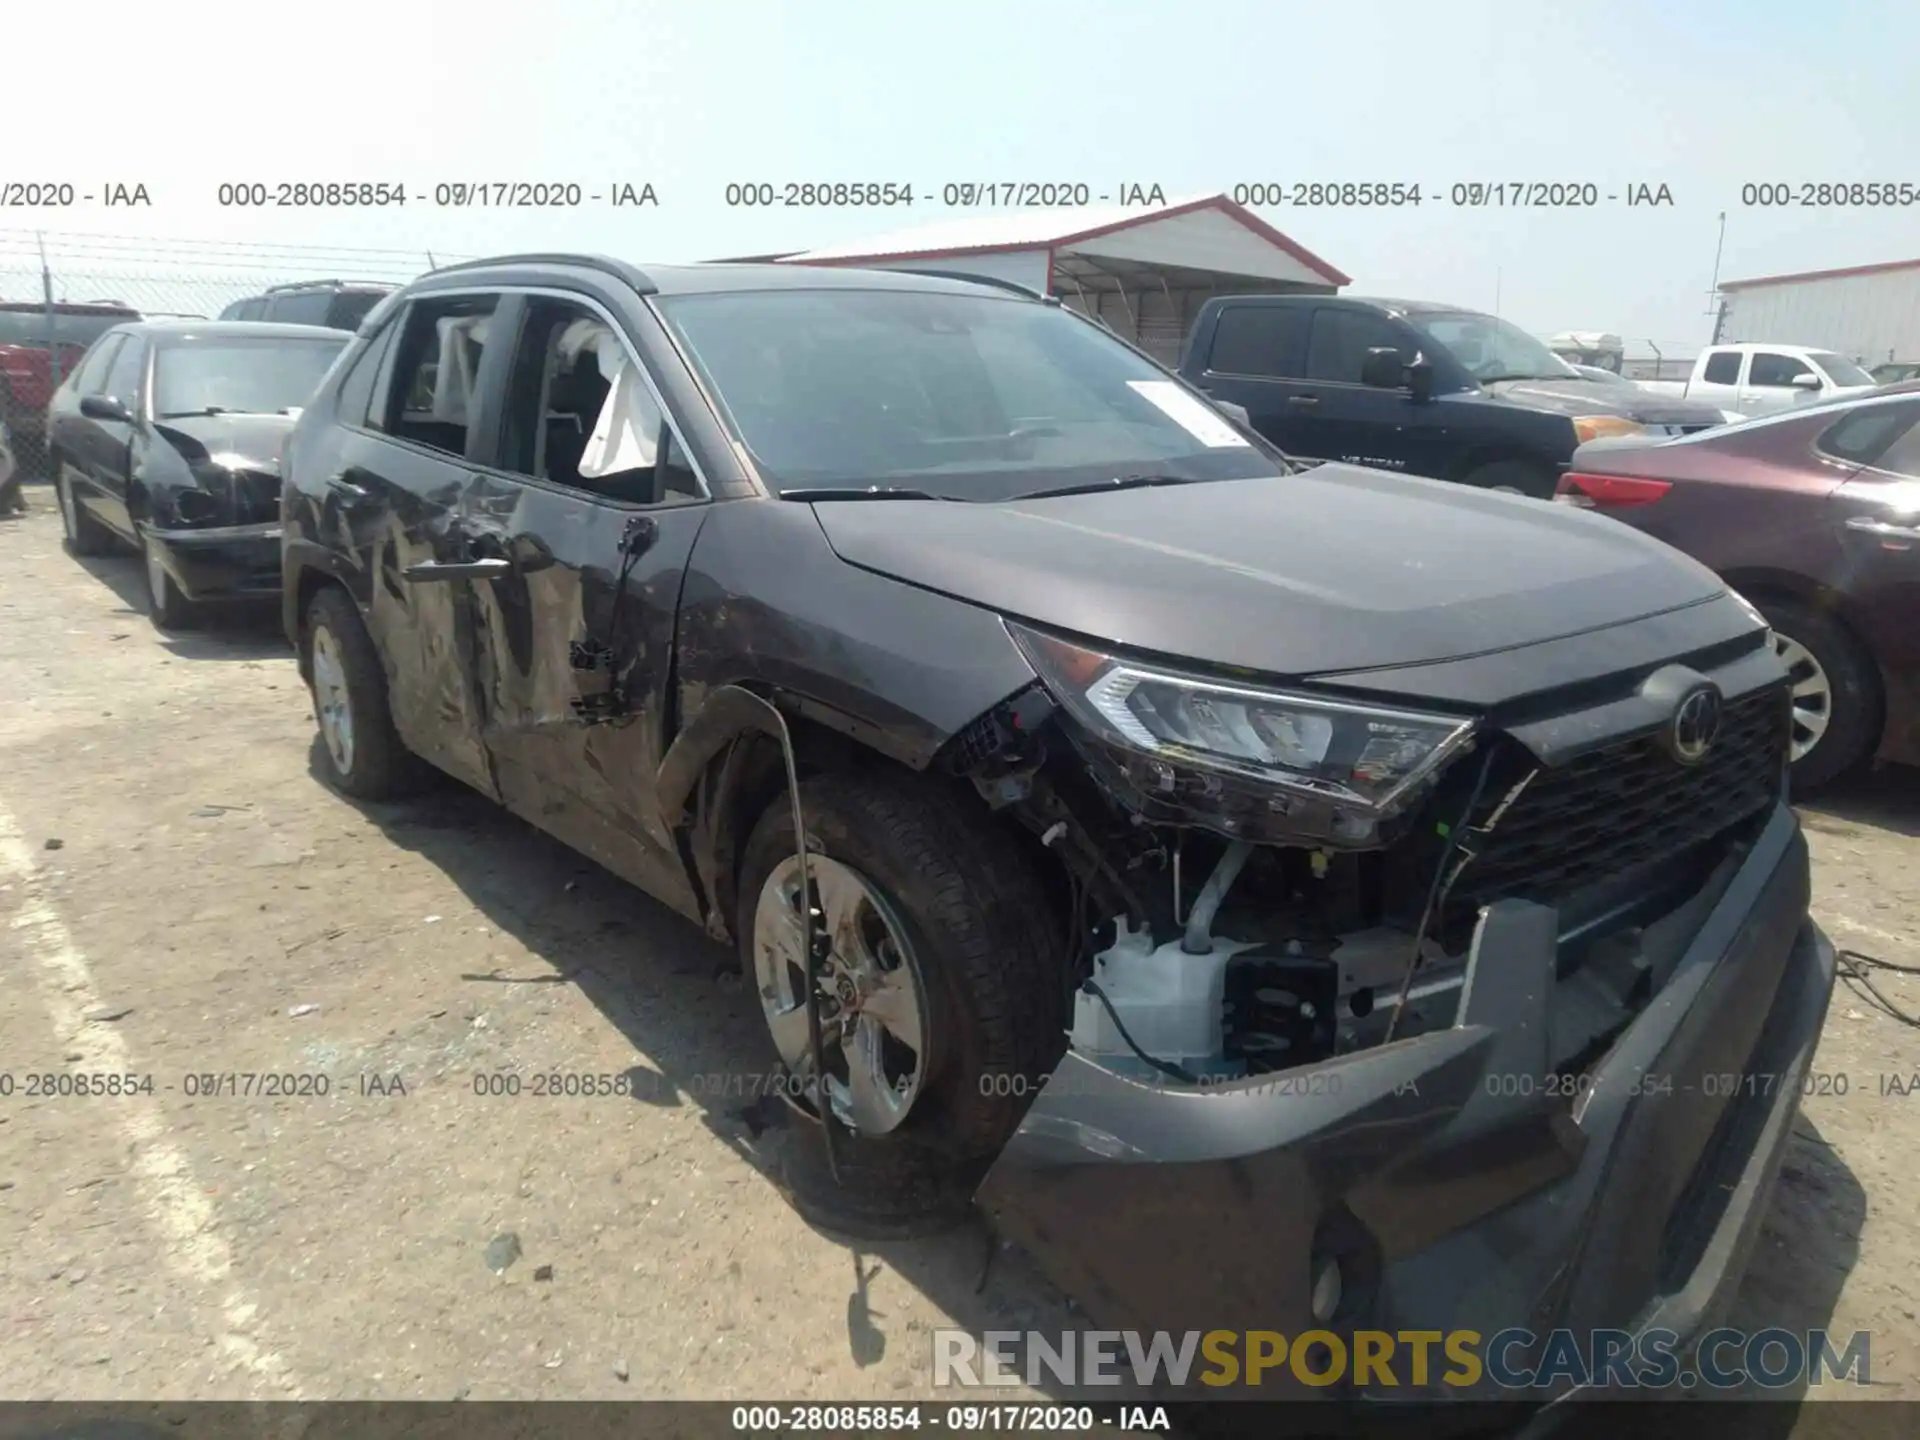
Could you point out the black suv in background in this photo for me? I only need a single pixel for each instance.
(996, 698)
(1425, 389)
(336, 304)
(167, 439)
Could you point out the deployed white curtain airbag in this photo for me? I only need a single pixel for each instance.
(454, 378)
(626, 432)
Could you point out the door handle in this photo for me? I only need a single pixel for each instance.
(486, 569)
(353, 494)
(1883, 529)
(1303, 399)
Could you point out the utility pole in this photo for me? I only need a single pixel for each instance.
(1717, 307)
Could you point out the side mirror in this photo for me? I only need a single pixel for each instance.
(1420, 378)
(1383, 368)
(106, 407)
(1236, 413)
(1806, 380)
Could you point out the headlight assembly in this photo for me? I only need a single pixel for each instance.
(1595, 427)
(1364, 761)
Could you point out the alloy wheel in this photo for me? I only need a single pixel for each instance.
(1812, 694)
(331, 702)
(872, 993)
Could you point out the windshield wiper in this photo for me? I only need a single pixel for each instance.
(859, 492)
(1118, 482)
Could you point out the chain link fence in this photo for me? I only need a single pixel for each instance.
(60, 291)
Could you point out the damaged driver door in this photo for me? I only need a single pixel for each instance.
(594, 513)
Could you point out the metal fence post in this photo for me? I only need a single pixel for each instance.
(46, 296)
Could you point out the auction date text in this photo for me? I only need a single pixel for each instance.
(446, 194)
(64, 194)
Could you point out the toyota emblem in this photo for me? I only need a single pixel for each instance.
(1695, 724)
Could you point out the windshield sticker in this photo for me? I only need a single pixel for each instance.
(1208, 427)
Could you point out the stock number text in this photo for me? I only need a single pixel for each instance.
(311, 194)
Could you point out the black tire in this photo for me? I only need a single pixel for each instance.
(1524, 477)
(376, 764)
(1855, 706)
(167, 605)
(85, 534)
(979, 924)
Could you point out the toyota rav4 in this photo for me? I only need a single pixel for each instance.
(1282, 896)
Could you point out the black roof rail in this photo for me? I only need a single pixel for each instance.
(1015, 286)
(606, 264)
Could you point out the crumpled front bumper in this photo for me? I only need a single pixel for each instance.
(1455, 1184)
(226, 562)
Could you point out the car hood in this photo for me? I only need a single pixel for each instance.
(1593, 397)
(236, 442)
(1338, 568)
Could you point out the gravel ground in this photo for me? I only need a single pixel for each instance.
(181, 898)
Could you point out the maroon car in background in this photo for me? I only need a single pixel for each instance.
(1814, 516)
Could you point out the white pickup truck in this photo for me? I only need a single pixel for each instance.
(1753, 379)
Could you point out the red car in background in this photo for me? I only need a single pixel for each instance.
(32, 336)
(1814, 515)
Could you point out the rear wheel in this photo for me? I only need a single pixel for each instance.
(939, 994)
(361, 753)
(167, 604)
(1836, 692)
(85, 534)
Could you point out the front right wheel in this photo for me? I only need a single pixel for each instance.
(939, 990)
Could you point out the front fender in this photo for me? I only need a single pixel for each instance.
(769, 613)
(896, 668)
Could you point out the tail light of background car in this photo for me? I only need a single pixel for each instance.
(1608, 492)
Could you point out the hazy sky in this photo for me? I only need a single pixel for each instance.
(1701, 95)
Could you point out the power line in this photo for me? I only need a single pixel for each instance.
(84, 241)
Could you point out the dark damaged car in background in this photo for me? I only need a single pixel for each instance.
(1283, 897)
(167, 438)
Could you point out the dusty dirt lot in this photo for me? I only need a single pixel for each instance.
(180, 897)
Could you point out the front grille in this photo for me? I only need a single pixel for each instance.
(1623, 808)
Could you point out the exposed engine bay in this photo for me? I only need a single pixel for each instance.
(1221, 930)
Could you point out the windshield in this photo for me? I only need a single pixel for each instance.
(255, 377)
(962, 396)
(1839, 369)
(29, 327)
(1491, 349)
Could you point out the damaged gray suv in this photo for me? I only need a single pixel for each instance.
(1282, 896)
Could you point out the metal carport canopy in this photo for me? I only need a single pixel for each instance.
(1143, 269)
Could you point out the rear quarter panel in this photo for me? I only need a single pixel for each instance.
(1740, 502)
